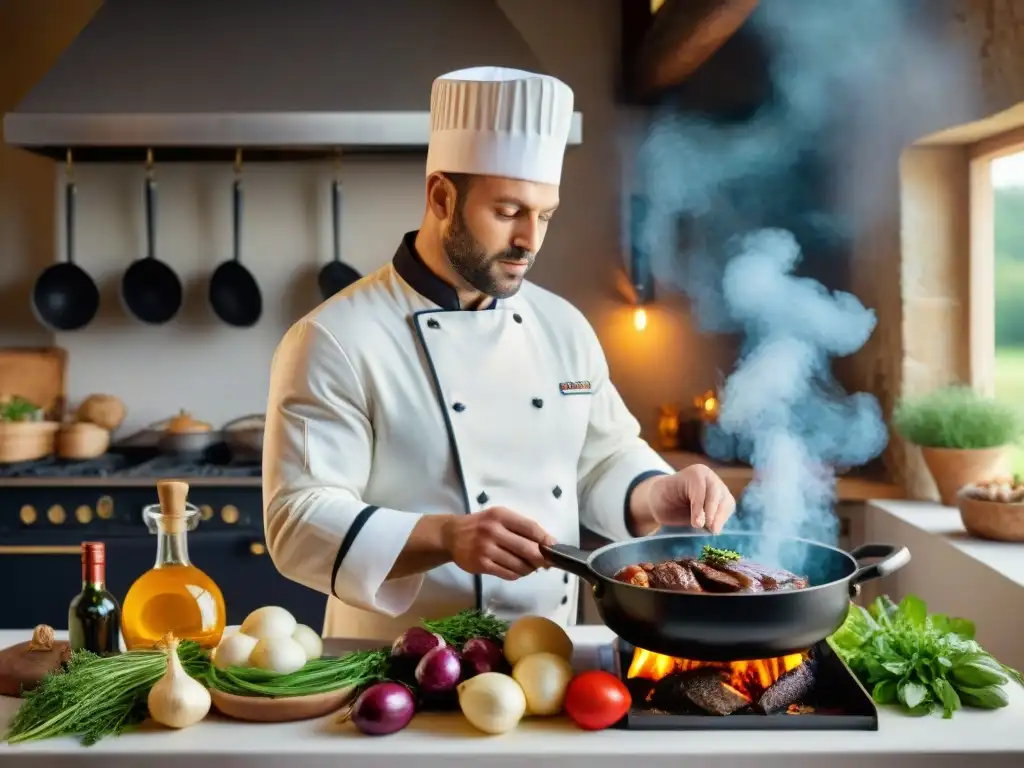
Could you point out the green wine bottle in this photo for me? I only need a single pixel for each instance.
(94, 618)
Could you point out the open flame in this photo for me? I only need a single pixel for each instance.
(749, 678)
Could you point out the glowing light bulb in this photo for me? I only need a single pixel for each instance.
(639, 318)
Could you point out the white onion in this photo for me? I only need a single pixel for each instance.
(269, 621)
(536, 634)
(543, 678)
(234, 651)
(278, 654)
(310, 641)
(492, 702)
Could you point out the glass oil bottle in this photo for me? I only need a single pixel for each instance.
(174, 595)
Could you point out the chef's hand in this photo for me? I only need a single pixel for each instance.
(693, 496)
(496, 542)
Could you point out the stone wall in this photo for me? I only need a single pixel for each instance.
(912, 258)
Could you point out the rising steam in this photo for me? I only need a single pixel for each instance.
(733, 204)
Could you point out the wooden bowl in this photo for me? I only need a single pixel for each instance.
(26, 440)
(81, 441)
(264, 709)
(996, 520)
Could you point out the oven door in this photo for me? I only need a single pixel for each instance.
(46, 567)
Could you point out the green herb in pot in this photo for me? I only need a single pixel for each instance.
(19, 409)
(920, 661)
(957, 417)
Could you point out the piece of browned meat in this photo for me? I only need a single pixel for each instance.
(772, 579)
(714, 580)
(675, 577)
(635, 575)
(692, 575)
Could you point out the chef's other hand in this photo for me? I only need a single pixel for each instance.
(496, 542)
(693, 496)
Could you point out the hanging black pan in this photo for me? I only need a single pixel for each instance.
(150, 289)
(234, 294)
(65, 298)
(336, 275)
(738, 626)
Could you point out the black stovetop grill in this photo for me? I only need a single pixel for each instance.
(216, 461)
(834, 700)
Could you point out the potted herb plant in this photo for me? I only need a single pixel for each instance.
(964, 437)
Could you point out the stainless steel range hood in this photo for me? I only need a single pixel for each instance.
(197, 80)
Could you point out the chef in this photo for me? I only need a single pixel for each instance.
(433, 425)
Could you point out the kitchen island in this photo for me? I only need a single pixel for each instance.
(995, 738)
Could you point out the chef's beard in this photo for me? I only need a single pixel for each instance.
(483, 271)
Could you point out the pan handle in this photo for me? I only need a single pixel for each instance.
(565, 557)
(893, 558)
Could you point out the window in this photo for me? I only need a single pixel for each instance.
(1007, 177)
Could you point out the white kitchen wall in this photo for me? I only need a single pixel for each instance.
(217, 372)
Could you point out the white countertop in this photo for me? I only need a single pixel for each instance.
(447, 741)
(1004, 557)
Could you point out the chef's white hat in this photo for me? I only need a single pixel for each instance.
(494, 121)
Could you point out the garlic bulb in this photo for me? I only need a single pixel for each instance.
(234, 651)
(544, 678)
(492, 702)
(177, 700)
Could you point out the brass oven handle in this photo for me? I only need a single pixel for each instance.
(36, 549)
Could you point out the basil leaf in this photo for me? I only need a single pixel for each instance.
(947, 696)
(912, 694)
(884, 692)
(913, 611)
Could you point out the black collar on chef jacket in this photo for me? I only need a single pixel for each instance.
(410, 266)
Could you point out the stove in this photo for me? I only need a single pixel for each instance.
(135, 464)
(48, 507)
(815, 691)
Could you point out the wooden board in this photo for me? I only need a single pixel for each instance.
(262, 709)
(38, 374)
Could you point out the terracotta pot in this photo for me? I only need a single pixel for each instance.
(953, 468)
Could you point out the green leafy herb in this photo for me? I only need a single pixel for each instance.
(96, 696)
(19, 409)
(466, 625)
(713, 556)
(354, 670)
(957, 417)
(920, 661)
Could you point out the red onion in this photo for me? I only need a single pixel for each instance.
(439, 670)
(481, 655)
(383, 708)
(415, 642)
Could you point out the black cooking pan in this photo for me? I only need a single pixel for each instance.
(150, 289)
(234, 294)
(336, 275)
(727, 627)
(64, 297)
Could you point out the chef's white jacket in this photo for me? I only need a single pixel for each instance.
(388, 402)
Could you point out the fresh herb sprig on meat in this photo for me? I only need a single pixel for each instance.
(714, 556)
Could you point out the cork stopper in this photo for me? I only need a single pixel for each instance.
(172, 495)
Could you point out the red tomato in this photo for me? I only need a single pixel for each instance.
(596, 700)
